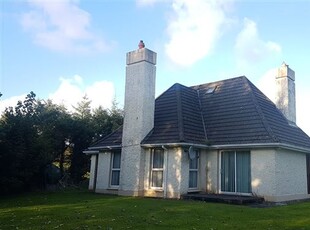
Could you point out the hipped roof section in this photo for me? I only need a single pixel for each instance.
(230, 112)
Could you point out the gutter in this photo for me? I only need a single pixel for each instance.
(230, 146)
(90, 152)
(96, 150)
(175, 145)
(105, 147)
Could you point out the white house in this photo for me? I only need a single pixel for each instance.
(220, 137)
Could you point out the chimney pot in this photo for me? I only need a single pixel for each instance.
(141, 44)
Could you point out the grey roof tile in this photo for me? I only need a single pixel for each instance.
(232, 111)
(114, 139)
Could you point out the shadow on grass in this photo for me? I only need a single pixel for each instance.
(81, 209)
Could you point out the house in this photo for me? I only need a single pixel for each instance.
(220, 137)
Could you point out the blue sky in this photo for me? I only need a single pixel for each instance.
(64, 49)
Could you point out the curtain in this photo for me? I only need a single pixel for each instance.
(243, 169)
(228, 171)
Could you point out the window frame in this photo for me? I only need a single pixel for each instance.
(235, 169)
(153, 169)
(112, 169)
(194, 170)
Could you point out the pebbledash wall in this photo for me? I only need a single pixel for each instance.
(279, 174)
(273, 176)
(176, 174)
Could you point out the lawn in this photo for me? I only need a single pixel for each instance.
(80, 209)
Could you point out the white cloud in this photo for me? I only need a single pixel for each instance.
(303, 109)
(69, 92)
(101, 93)
(267, 85)
(194, 29)
(10, 102)
(250, 48)
(72, 90)
(61, 25)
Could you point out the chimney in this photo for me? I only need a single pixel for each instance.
(138, 119)
(285, 94)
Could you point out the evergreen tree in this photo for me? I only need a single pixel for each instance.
(35, 134)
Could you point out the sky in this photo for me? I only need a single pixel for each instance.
(66, 49)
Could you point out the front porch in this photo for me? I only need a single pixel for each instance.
(223, 198)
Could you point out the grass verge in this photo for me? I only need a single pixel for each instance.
(80, 209)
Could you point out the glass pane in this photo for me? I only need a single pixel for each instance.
(158, 158)
(228, 171)
(116, 160)
(157, 178)
(193, 164)
(115, 177)
(243, 170)
(193, 179)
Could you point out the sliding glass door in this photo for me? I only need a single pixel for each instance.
(236, 171)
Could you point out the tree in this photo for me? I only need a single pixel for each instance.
(81, 136)
(83, 109)
(55, 126)
(89, 127)
(116, 116)
(32, 136)
(35, 134)
(22, 154)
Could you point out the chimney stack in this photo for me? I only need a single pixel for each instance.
(285, 94)
(139, 117)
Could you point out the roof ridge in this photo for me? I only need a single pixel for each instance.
(260, 112)
(170, 88)
(216, 82)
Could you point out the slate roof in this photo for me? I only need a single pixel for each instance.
(114, 140)
(228, 112)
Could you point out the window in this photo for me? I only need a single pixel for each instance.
(115, 169)
(211, 90)
(157, 169)
(193, 172)
(236, 171)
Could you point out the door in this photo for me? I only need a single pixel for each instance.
(236, 172)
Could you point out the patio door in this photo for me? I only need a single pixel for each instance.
(236, 172)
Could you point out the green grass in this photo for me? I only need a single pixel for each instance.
(86, 210)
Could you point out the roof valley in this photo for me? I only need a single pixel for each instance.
(202, 117)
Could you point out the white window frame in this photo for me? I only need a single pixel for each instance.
(112, 169)
(152, 169)
(194, 170)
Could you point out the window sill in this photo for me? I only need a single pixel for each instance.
(113, 188)
(157, 189)
(193, 190)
